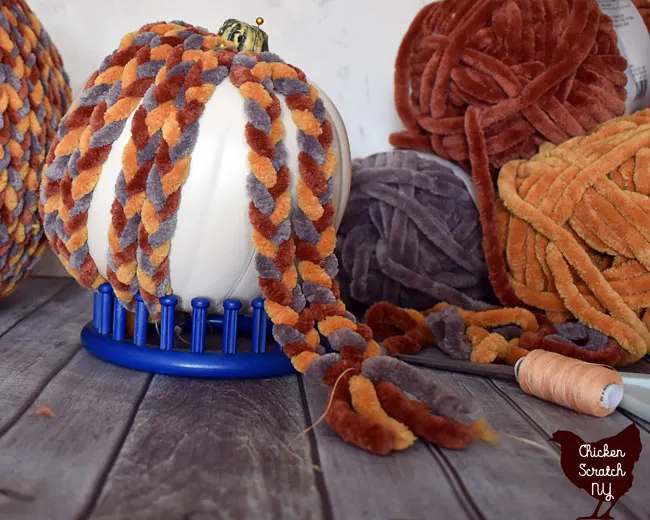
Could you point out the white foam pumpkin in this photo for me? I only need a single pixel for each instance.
(212, 254)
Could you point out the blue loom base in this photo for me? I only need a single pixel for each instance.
(188, 364)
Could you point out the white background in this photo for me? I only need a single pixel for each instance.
(346, 47)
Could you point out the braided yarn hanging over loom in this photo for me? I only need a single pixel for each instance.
(410, 236)
(163, 75)
(486, 83)
(34, 94)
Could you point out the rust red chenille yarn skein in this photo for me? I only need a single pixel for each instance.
(485, 83)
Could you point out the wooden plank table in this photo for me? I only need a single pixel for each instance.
(129, 445)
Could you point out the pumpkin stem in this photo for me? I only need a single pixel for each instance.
(246, 37)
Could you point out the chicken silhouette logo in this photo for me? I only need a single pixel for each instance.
(604, 468)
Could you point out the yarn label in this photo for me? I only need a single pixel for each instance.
(634, 44)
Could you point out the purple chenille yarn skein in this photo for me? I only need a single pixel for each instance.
(410, 236)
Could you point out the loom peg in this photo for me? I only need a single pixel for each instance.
(119, 321)
(106, 308)
(230, 311)
(168, 306)
(259, 325)
(199, 317)
(141, 320)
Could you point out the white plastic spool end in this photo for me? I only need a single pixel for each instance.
(612, 396)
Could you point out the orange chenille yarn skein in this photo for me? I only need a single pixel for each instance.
(574, 230)
(484, 83)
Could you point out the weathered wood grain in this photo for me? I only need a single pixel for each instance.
(550, 417)
(35, 349)
(52, 466)
(545, 418)
(202, 449)
(512, 477)
(199, 450)
(413, 484)
(30, 295)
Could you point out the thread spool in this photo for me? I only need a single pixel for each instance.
(584, 387)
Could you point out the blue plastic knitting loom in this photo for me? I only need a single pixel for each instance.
(105, 337)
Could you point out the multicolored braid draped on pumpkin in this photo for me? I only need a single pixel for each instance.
(34, 94)
(166, 72)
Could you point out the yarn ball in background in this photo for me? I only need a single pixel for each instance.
(410, 236)
(582, 209)
(484, 83)
(528, 75)
(34, 93)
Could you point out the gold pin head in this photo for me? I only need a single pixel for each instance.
(259, 21)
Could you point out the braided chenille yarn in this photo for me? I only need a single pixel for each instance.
(34, 94)
(410, 236)
(163, 75)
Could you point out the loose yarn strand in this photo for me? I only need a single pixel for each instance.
(542, 447)
(330, 400)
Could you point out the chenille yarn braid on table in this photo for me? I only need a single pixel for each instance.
(486, 83)
(409, 242)
(34, 94)
(186, 81)
(176, 68)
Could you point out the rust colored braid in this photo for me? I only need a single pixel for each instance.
(356, 413)
(272, 238)
(34, 94)
(167, 123)
(85, 138)
(286, 304)
(137, 161)
(74, 163)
